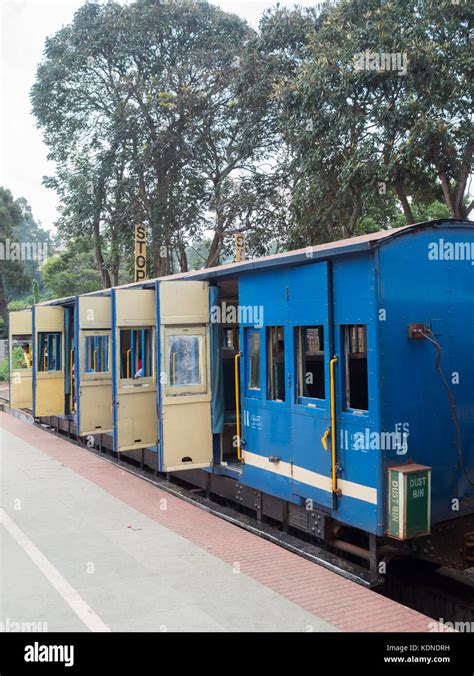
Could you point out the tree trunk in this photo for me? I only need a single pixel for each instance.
(161, 252)
(3, 307)
(348, 228)
(155, 250)
(448, 198)
(214, 251)
(160, 229)
(403, 199)
(183, 259)
(99, 258)
(217, 240)
(114, 259)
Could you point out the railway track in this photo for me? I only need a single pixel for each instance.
(445, 595)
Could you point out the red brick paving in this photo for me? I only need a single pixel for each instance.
(336, 600)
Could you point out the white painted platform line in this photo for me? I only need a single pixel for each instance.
(52, 574)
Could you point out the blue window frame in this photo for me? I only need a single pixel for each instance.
(136, 353)
(355, 367)
(49, 351)
(276, 381)
(253, 373)
(96, 354)
(310, 364)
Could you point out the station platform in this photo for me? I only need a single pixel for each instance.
(86, 546)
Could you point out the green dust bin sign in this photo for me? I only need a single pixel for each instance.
(409, 501)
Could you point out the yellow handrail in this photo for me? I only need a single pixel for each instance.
(45, 361)
(332, 367)
(71, 395)
(237, 403)
(173, 366)
(94, 361)
(129, 352)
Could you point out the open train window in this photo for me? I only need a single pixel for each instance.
(96, 354)
(230, 338)
(136, 353)
(253, 374)
(276, 363)
(49, 351)
(310, 363)
(185, 350)
(21, 351)
(356, 373)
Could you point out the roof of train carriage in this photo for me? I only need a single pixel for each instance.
(298, 256)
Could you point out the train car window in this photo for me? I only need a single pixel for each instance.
(184, 360)
(21, 352)
(230, 338)
(310, 361)
(49, 351)
(276, 363)
(253, 376)
(136, 353)
(96, 354)
(356, 373)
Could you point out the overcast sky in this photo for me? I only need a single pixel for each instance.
(24, 26)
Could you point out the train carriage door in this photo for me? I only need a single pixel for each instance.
(309, 316)
(94, 403)
(20, 355)
(186, 436)
(48, 361)
(134, 370)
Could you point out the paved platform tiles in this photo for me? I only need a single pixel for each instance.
(139, 559)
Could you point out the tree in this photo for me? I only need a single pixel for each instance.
(13, 276)
(142, 109)
(375, 106)
(72, 271)
(35, 291)
(29, 231)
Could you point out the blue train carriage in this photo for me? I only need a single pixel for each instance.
(348, 431)
(303, 386)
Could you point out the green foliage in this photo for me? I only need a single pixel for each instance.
(28, 230)
(150, 110)
(23, 303)
(365, 140)
(13, 277)
(18, 361)
(35, 290)
(72, 271)
(4, 370)
(181, 117)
